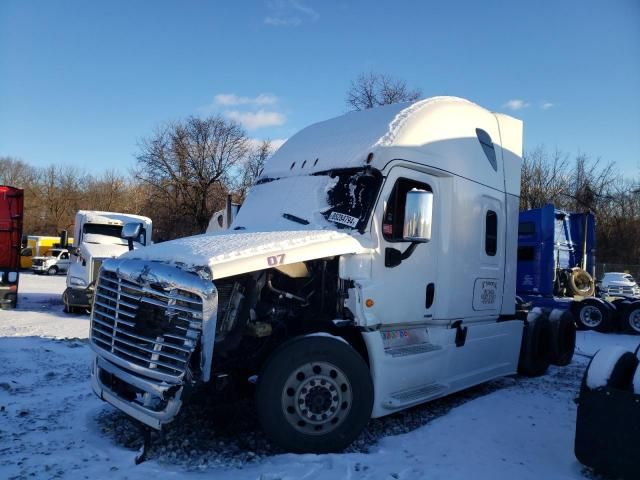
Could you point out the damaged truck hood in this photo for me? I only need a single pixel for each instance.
(234, 253)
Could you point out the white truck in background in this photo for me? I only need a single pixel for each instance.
(371, 268)
(97, 236)
(222, 219)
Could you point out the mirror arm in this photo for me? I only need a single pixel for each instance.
(394, 257)
(130, 243)
(409, 251)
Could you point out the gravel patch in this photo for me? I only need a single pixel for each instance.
(205, 435)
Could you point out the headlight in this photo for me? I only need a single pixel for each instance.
(77, 282)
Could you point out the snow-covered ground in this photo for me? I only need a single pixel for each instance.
(52, 426)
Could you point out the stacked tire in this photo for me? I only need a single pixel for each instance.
(608, 422)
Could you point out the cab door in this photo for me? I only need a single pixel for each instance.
(64, 261)
(404, 292)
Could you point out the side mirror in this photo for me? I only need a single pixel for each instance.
(418, 215)
(130, 231)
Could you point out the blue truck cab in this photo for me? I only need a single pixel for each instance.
(556, 270)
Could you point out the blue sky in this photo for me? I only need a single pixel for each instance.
(82, 82)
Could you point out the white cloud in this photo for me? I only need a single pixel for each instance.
(231, 99)
(259, 119)
(547, 105)
(276, 143)
(516, 104)
(283, 21)
(289, 13)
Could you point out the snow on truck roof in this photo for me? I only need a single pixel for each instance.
(95, 216)
(426, 126)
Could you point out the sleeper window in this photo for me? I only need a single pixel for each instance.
(393, 221)
(491, 233)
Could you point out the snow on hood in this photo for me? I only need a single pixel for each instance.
(103, 239)
(234, 253)
(101, 250)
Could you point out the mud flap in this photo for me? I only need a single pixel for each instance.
(608, 431)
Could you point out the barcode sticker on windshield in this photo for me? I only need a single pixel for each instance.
(343, 219)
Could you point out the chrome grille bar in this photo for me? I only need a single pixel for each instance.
(145, 324)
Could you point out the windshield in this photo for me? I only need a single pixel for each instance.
(111, 231)
(52, 253)
(98, 229)
(337, 199)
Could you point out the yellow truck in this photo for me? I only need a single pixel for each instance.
(37, 246)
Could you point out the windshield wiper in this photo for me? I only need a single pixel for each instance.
(293, 218)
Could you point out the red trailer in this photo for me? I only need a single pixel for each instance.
(11, 208)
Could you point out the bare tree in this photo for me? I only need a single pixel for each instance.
(544, 178)
(374, 89)
(182, 163)
(252, 169)
(16, 172)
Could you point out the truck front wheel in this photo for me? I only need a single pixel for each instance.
(314, 394)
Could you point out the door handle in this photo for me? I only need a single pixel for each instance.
(428, 301)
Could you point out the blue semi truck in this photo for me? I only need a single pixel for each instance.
(556, 270)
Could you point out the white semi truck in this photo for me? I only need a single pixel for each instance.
(97, 236)
(371, 268)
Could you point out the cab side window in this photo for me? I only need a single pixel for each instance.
(491, 233)
(393, 221)
(64, 256)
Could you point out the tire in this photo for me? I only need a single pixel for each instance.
(314, 394)
(12, 301)
(631, 318)
(612, 367)
(535, 351)
(593, 315)
(581, 283)
(563, 337)
(52, 270)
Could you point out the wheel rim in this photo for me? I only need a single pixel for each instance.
(316, 398)
(590, 316)
(634, 320)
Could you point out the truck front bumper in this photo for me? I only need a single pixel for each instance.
(152, 402)
(78, 297)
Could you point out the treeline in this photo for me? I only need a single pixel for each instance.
(582, 184)
(183, 174)
(185, 170)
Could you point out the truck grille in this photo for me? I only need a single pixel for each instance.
(146, 325)
(37, 262)
(623, 290)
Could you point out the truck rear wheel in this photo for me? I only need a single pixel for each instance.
(563, 341)
(535, 351)
(631, 318)
(593, 315)
(314, 394)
